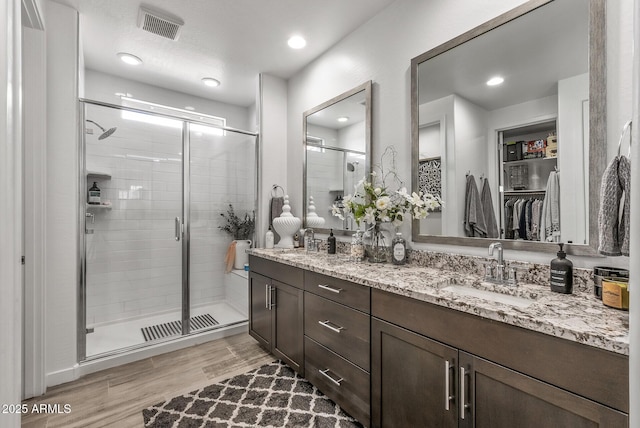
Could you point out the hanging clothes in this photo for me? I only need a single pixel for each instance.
(487, 209)
(550, 217)
(474, 220)
(508, 219)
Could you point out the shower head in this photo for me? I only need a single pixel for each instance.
(105, 133)
(351, 166)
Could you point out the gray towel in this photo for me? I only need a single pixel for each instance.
(474, 222)
(487, 209)
(610, 194)
(275, 209)
(624, 227)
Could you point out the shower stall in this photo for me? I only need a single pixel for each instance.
(151, 251)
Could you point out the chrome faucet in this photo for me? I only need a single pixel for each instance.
(501, 274)
(500, 266)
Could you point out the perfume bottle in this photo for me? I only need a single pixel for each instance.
(399, 250)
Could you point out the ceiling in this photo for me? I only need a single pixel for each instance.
(532, 53)
(230, 40)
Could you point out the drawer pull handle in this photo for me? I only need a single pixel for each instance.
(328, 288)
(463, 405)
(328, 325)
(325, 374)
(447, 385)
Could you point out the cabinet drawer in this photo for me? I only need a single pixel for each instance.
(348, 293)
(343, 330)
(278, 271)
(338, 379)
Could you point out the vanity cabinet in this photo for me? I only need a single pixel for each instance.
(436, 367)
(276, 310)
(337, 329)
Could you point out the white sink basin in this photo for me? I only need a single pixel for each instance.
(507, 299)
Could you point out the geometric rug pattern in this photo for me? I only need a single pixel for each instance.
(174, 328)
(270, 396)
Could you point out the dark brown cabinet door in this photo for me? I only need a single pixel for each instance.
(502, 398)
(259, 312)
(409, 375)
(287, 330)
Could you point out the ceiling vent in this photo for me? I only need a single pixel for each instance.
(159, 23)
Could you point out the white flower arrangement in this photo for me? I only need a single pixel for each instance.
(374, 203)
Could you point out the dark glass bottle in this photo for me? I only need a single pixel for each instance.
(331, 243)
(93, 196)
(561, 273)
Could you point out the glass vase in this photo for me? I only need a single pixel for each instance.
(378, 248)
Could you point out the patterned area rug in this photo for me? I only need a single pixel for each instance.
(270, 396)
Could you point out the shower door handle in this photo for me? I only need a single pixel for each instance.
(178, 228)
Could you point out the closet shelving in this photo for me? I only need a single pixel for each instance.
(523, 177)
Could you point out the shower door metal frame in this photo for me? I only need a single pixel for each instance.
(185, 235)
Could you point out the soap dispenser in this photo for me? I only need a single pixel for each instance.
(94, 194)
(561, 273)
(331, 243)
(269, 238)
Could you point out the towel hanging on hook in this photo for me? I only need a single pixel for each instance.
(624, 130)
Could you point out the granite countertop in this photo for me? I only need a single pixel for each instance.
(579, 317)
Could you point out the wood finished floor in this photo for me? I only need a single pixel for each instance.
(115, 397)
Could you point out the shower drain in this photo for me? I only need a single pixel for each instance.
(174, 328)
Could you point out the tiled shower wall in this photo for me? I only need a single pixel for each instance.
(134, 263)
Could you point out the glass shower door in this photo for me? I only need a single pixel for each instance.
(222, 176)
(133, 235)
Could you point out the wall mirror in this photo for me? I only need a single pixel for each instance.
(337, 142)
(508, 123)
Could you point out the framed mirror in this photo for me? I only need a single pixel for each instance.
(508, 125)
(337, 143)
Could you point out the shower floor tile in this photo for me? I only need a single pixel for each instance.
(115, 336)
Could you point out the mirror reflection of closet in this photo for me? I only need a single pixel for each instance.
(337, 140)
(545, 118)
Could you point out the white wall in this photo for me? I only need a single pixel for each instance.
(10, 210)
(272, 114)
(35, 212)
(62, 192)
(381, 51)
(470, 151)
(573, 157)
(102, 87)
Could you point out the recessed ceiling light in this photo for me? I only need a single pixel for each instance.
(296, 42)
(343, 119)
(210, 81)
(127, 58)
(495, 81)
(190, 108)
